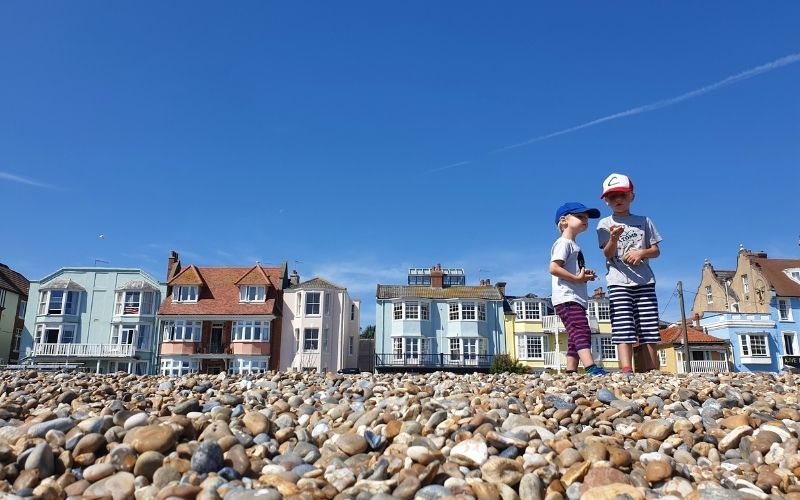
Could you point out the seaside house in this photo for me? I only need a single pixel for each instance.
(707, 353)
(13, 306)
(537, 338)
(100, 319)
(221, 319)
(438, 322)
(320, 326)
(756, 307)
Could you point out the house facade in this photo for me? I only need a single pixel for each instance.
(755, 308)
(221, 319)
(537, 338)
(320, 326)
(101, 319)
(437, 322)
(14, 289)
(706, 352)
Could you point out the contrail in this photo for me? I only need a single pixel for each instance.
(452, 165)
(744, 75)
(23, 180)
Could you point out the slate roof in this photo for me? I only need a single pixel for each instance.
(138, 285)
(427, 292)
(674, 335)
(62, 284)
(13, 281)
(318, 283)
(219, 295)
(773, 270)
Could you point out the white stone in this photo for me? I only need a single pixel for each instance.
(471, 452)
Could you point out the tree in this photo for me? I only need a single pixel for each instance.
(368, 332)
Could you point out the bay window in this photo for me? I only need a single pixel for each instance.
(182, 330)
(175, 367)
(411, 310)
(467, 311)
(59, 302)
(251, 331)
(134, 303)
(55, 334)
(248, 365)
(312, 303)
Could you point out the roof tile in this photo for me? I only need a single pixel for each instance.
(427, 292)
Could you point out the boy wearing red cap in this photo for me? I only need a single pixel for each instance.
(629, 241)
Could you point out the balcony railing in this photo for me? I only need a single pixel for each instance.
(704, 366)
(440, 360)
(555, 359)
(85, 350)
(215, 348)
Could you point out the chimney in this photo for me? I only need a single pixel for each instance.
(437, 276)
(488, 282)
(173, 265)
(696, 320)
(501, 287)
(761, 254)
(482, 283)
(294, 278)
(599, 293)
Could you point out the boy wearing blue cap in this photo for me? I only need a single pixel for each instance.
(570, 295)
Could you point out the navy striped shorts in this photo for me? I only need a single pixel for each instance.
(634, 314)
(573, 315)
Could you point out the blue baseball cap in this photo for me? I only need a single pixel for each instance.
(573, 207)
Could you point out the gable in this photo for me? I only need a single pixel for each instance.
(254, 276)
(189, 276)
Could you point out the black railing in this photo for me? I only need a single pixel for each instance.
(440, 360)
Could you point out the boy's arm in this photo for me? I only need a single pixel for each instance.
(557, 270)
(635, 257)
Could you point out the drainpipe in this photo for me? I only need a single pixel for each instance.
(341, 329)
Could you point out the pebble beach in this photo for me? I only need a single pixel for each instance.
(399, 436)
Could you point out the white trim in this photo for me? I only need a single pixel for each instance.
(794, 344)
(260, 294)
(250, 330)
(45, 298)
(788, 302)
(528, 339)
(740, 323)
(746, 344)
(191, 297)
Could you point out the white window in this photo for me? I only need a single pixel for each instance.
(789, 347)
(745, 284)
(398, 310)
(175, 367)
(134, 303)
(143, 338)
(15, 340)
(251, 331)
(23, 307)
(252, 293)
(793, 273)
(603, 310)
(313, 303)
(468, 311)
(182, 330)
(709, 295)
(754, 346)
(123, 334)
(55, 334)
(352, 312)
(603, 348)
(325, 335)
(455, 350)
(184, 293)
(662, 357)
(412, 310)
(424, 311)
(397, 349)
(296, 340)
(454, 311)
(59, 302)
(327, 304)
(311, 340)
(528, 309)
(248, 365)
(481, 312)
(350, 345)
(784, 310)
(531, 346)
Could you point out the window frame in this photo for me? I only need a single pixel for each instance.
(791, 345)
(528, 343)
(191, 296)
(311, 305)
(746, 351)
(22, 309)
(247, 365)
(250, 330)
(350, 345)
(180, 365)
(40, 330)
(246, 297)
(311, 340)
(787, 302)
(662, 357)
(46, 301)
(411, 310)
(170, 329)
(709, 295)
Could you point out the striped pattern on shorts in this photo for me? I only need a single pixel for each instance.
(634, 314)
(573, 315)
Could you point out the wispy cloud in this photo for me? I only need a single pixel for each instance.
(23, 180)
(739, 77)
(744, 75)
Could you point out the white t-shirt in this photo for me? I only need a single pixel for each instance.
(639, 233)
(570, 253)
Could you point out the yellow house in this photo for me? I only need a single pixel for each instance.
(532, 328)
(707, 353)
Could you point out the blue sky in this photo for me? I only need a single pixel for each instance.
(357, 139)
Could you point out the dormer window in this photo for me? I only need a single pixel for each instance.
(134, 303)
(59, 302)
(252, 293)
(185, 293)
(793, 274)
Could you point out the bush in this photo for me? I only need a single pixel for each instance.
(503, 363)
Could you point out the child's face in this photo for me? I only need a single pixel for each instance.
(578, 223)
(620, 203)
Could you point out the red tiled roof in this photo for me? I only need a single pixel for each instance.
(674, 335)
(257, 275)
(220, 293)
(188, 276)
(13, 281)
(773, 270)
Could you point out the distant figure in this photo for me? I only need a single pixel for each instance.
(629, 242)
(570, 295)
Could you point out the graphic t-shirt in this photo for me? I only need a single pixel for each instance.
(570, 253)
(640, 233)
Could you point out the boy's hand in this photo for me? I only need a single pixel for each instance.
(633, 258)
(586, 275)
(616, 231)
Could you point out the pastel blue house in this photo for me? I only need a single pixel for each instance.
(437, 322)
(756, 307)
(100, 319)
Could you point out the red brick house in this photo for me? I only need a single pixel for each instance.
(217, 319)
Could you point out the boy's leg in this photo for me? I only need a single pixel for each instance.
(647, 315)
(572, 354)
(573, 316)
(623, 323)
